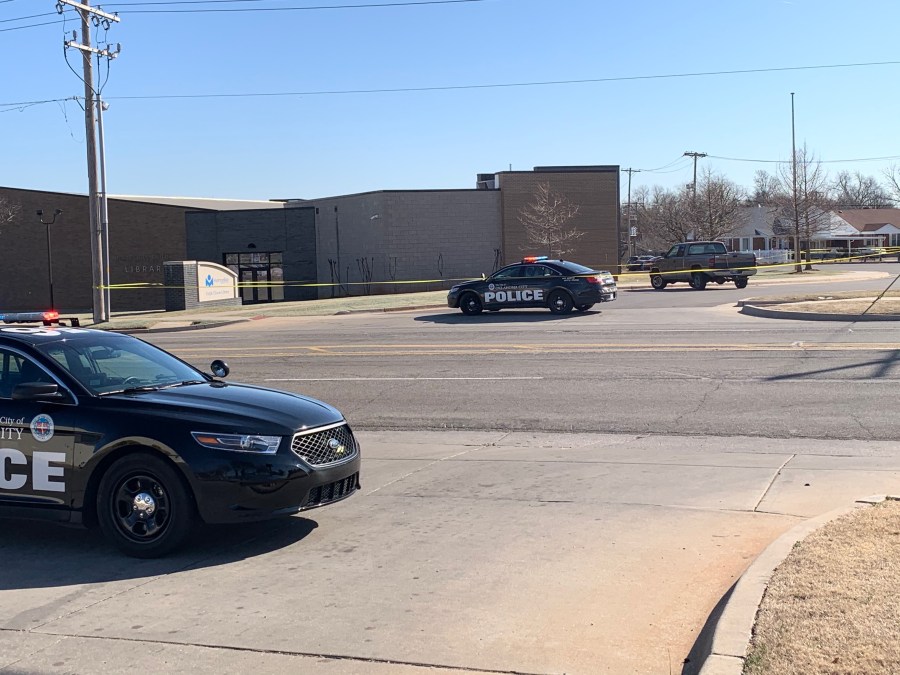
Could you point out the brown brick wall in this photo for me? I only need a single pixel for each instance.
(595, 191)
(141, 237)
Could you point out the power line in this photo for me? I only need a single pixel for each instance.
(822, 161)
(498, 85)
(410, 3)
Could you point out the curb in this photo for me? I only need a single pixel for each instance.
(379, 310)
(733, 629)
(766, 313)
(178, 329)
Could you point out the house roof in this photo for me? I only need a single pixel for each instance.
(871, 220)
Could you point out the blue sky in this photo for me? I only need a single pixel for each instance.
(322, 144)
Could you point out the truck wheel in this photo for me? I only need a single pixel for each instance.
(470, 304)
(560, 302)
(740, 282)
(698, 281)
(658, 282)
(144, 507)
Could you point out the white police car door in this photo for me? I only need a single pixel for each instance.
(36, 438)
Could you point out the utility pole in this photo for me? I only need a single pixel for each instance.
(696, 156)
(799, 267)
(98, 237)
(632, 235)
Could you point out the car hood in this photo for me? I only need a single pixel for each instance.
(240, 406)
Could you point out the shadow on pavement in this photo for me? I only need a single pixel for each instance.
(702, 647)
(36, 554)
(505, 316)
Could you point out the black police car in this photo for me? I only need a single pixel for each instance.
(559, 285)
(99, 428)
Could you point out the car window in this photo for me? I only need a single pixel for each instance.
(510, 272)
(104, 368)
(10, 372)
(575, 268)
(697, 249)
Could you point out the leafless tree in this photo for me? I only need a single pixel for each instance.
(546, 221)
(766, 188)
(716, 207)
(892, 175)
(810, 217)
(857, 191)
(9, 210)
(668, 216)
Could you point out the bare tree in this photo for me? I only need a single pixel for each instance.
(8, 211)
(809, 218)
(857, 191)
(546, 221)
(892, 174)
(766, 188)
(716, 207)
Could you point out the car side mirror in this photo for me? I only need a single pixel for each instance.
(37, 391)
(219, 368)
(483, 277)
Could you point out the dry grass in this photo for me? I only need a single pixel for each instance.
(832, 606)
(855, 306)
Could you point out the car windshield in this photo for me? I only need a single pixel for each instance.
(114, 364)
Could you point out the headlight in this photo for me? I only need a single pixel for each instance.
(265, 445)
(453, 289)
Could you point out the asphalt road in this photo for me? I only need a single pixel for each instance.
(540, 495)
(671, 362)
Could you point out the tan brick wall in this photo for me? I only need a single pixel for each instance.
(142, 236)
(596, 192)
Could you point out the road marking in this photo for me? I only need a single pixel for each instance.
(483, 350)
(389, 379)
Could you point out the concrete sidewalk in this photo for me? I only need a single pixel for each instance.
(478, 552)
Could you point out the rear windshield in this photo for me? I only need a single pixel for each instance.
(575, 268)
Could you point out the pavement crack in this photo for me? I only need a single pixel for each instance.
(772, 482)
(315, 655)
(431, 464)
(27, 657)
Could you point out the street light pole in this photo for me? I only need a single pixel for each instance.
(40, 215)
(799, 266)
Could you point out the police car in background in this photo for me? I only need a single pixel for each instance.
(98, 428)
(559, 285)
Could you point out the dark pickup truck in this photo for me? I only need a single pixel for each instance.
(699, 262)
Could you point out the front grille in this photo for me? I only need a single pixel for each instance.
(321, 447)
(332, 492)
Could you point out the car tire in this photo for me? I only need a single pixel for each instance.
(560, 302)
(740, 282)
(470, 304)
(584, 308)
(658, 282)
(144, 506)
(698, 281)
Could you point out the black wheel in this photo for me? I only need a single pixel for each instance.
(720, 281)
(740, 282)
(470, 304)
(658, 282)
(143, 506)
(698, 281)
(560, 302)
(584, 308)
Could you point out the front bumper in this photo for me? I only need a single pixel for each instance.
(237, 489)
